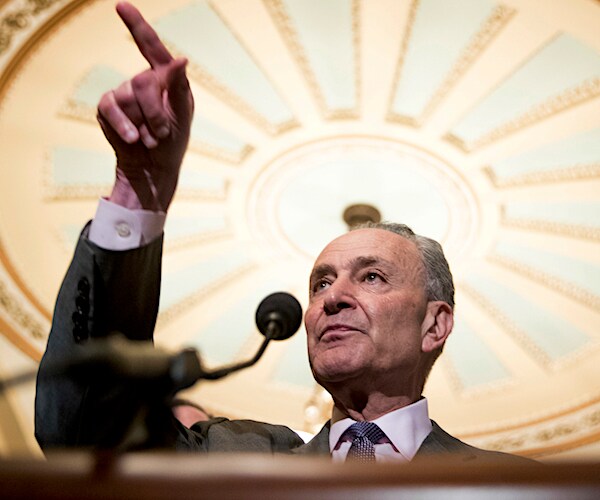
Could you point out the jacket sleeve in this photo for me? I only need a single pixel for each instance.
(103, 291)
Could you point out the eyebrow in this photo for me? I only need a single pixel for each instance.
(357, 263)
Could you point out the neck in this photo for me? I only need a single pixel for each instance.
(361, 401)
(369, 407)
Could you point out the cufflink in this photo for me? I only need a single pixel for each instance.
(123, 230)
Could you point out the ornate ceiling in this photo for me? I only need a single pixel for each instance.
(477, 122)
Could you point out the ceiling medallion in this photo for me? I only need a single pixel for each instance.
(295, 203)
(360, 213)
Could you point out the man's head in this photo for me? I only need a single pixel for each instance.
(380, 310)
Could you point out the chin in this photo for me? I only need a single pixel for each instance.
(331, 373)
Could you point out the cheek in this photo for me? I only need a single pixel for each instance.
(310, 321)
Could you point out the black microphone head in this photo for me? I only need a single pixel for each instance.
(279, 316)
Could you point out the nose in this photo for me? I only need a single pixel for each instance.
(339, 296)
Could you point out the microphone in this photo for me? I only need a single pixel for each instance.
(279, 316)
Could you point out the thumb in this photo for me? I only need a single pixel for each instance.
(179, 94)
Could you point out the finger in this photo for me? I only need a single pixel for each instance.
(148, 93)
(144, 35)
(114, 119)
(128, 101)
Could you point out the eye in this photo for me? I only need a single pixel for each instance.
(373, 277)
(319, 285)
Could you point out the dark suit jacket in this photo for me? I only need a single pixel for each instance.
(105, 291)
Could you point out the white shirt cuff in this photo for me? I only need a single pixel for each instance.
(118, 228)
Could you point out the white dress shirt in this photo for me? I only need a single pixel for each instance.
(406, 428)
(118, 228)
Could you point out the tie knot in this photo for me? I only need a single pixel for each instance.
(367, 430)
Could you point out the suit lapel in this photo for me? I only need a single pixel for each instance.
(440, 442)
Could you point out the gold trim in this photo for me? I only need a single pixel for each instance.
(7, 76)
(21, 285)
(534, 421)
(552, 106)
(32, 43)
(569, 289)
(509, 326)
(210, 151)
(23, 319)
(278, 128)
(18, 20)
(521, 338)
(412, 13)
(574, 173)
(194, 298)
(285, 27)
(492, 26)
(446, 364)
(223, 93)
(573, 430)
(19, 341)
(572, 230)
(568, 99)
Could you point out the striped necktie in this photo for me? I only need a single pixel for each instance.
(363, 435)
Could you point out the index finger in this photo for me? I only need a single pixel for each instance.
(144, 35)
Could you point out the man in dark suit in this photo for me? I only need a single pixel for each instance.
(381, 304)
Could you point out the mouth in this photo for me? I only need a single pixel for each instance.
(337, 331)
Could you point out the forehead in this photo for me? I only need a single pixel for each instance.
(370, 243)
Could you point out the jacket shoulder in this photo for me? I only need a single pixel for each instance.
(439, 442)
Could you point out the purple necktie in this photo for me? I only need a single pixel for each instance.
(363, 435)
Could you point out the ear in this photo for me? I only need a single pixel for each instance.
(437, 325)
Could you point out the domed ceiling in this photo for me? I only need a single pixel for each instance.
(476, 122)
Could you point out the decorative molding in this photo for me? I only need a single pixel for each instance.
(492, 26)
(193, 299)
(552, 282)
(574, 173)
(521, 338)
(281, 127)
(572, 230)
(20, 19)
(285, 27)
(552, 106)
(475, 392)
(392, 117)
(210, 151)
(548, 437)
(226, 95)
(15, 310)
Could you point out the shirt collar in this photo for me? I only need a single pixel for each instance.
(406, 427)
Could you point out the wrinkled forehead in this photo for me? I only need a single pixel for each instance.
(371, 243)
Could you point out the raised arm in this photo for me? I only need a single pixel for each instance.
(147, 121)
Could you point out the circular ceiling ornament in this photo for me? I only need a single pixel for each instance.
(357, 214)
(296, 201)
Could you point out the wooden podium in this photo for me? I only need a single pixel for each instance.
(181, 476)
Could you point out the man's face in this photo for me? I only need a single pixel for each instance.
(366, 310)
